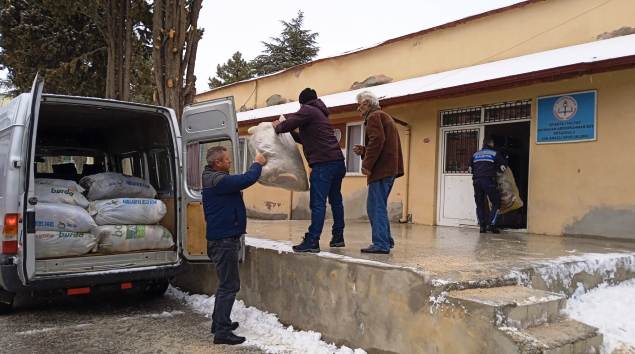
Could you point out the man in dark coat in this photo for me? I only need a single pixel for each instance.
(485, 164)
(226, 221)
(382, 163)
(323, 153)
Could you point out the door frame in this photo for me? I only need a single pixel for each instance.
(441, 166)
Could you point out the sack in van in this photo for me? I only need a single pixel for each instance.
(110, 185)
(284, 168)
(50, 244)
(62, 217)
(510, 196)
(51, 190)
(127, 211)
(125, 238)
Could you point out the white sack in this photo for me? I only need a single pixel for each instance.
(62, 217)
(110, 185)
(127, 211)
(124, 238)
(49, 244)
(51, 190)
(284, 167)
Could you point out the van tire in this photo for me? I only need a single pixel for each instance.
(156, 289)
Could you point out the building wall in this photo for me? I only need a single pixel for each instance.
(581, 188)
(534, 27)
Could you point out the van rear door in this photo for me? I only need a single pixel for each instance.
(26, 228)
(203, 125)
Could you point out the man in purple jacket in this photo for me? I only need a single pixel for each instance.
(323, 153)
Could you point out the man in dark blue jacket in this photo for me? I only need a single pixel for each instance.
(226, 220)
(324, 155)
(485, 164)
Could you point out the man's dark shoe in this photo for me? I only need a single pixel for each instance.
(229, 339)
(494, 229)
(483, 229)
(373, 249)
(308, 245)
(233, 326)
(337, 241)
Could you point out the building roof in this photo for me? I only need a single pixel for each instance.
(556, 64)
(389, 41)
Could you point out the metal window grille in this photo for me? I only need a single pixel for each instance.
(460, 145)
(499, 112)
(508, 111)
(463, 116)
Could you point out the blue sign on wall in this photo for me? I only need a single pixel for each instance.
(567, 118)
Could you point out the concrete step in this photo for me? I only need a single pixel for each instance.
(563, 336)
(511, 306)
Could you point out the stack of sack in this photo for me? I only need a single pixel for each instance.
(62, 224)
(126, 213)
(118, 214)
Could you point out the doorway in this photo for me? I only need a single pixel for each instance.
(512, 139)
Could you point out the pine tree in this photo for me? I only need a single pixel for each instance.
(294, 46)
(234, 70)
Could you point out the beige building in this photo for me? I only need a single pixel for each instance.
(552, 81)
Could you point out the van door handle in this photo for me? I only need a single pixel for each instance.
(33, 200)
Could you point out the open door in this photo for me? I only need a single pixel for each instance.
(203, 125)
(26, 228)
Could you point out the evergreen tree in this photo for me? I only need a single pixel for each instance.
(294, 46)
(234, 70)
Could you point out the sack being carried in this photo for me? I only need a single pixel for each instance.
(50, 244)
(125, 238)
(110, 185)
(62, 217)
(284, 168)
(127, 211)
(51, 190)
(510, 196)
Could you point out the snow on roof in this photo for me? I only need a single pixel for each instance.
(578, 54)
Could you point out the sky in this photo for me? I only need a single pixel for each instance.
(342, 25)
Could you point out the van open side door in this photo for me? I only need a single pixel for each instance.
(28, 200)
(203, 125)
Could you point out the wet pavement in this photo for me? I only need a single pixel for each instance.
(456, 254)
(113, 324)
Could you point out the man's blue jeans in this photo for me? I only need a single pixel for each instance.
(377, 209)
(326, 182)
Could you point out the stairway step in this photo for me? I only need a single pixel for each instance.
(512, 306)
(564, 336)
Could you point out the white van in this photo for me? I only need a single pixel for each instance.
(67, 137)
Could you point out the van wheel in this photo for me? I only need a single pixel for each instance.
(156, 289)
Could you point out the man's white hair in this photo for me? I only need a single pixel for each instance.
(369, 97)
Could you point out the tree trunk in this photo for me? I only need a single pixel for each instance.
(175, 37)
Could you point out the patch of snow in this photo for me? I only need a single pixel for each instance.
(263, 330)
(563, 269)
(437, 301)
(50, 329)
(609, 308)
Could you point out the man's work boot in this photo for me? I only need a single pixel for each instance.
(337, 241)
(493, 229)
(308, 245)
(229, 339)
(233, 327)
(483, 229)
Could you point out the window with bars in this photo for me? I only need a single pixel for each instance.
(460, 145)
(499, 112)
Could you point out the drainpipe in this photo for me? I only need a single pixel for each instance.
(406, 217)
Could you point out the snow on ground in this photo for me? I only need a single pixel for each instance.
(609, 308)
(263, 330)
